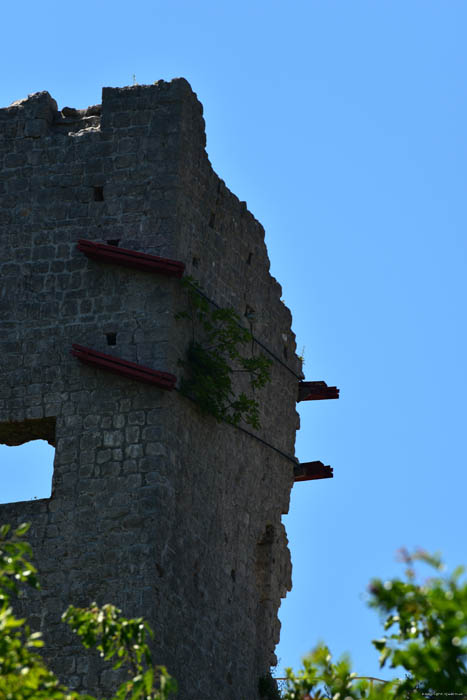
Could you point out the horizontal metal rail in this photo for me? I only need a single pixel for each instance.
(117, 365)
(131, 258)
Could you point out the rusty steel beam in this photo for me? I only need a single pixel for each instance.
(316, 391)
(163, 380)
(131, 258)
(309, 471)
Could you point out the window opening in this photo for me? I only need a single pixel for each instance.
(27, 451)
(250, 255)
(98, 194)
(114, 241)
(249, 313)
(111, 338)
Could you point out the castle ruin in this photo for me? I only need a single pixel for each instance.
(155, 507)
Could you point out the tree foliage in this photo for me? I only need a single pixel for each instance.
(214, 355)
(426, 624)
(23, 673)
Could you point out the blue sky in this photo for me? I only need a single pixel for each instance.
(342, 124)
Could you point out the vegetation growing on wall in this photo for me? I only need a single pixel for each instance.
(214, 355)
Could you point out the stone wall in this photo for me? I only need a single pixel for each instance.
(155, 507)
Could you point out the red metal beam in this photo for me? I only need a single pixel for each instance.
(309, 471)
(131, 258)
(164, 380)
(316, 391)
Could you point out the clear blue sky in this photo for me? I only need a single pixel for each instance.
(342, 123)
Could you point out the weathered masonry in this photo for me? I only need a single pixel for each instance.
(155, 507)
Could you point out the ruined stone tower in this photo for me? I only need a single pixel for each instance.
(155, 507)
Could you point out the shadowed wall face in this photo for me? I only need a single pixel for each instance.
(155, 507)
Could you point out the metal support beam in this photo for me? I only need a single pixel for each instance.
(309, 471)
(131, 258)
(316, 391)
(163, 380)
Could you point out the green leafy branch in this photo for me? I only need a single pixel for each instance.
(214, 356)
(428, 622)
(115, 636)
(23, 674)
(15, 567)
(426, 625)
(322, 678)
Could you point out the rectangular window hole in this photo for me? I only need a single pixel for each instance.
(212, 219)
(250, 255)
(249, 312)
(26, 459)
(113, 241)
(111, 338)
(195, 262)
(98, 193)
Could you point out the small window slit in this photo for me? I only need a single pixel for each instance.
(98, 193)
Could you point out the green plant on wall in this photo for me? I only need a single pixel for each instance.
(214, 355)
